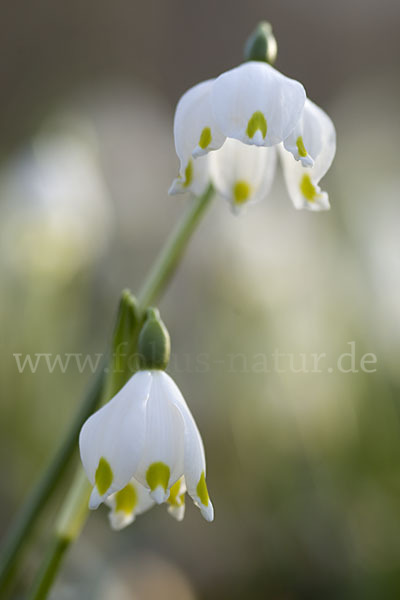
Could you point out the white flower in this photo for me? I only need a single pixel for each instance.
(145, 432)
(220, 125)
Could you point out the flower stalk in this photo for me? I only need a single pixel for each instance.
(74, 511)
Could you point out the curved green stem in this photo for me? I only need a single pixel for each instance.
(170, 256)
(69, 525)
(164, 266)
(45, 486)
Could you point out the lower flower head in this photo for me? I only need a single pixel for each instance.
(145, 434)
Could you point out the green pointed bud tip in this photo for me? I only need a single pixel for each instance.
(261, 44)
(129, 303)
(154, 342)
(127, 319)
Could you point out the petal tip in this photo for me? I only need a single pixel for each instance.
(207, 511)
(159, 495)
(95, 499)
(119, 520)
(176, 187)
(198, 151)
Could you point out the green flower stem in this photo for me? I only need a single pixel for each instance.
(42, 491)
(155, 283)
(168, 259)
(68, 527)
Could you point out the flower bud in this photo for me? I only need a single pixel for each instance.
(261, 44)
(154, 342)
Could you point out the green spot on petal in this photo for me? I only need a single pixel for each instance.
(202, 491)
(158, 474)
(300, 147)
(241, 192)
(103, 477)
(257, 122)
(174, 499)
(205, 138)
(126, 499)
(307, 188)
(188, 174)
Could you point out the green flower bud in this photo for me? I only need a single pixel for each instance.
(154, 342)
(261, 44)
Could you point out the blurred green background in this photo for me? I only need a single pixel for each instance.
(303, 467)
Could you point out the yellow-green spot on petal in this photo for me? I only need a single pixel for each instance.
(126, 499)
(205, 138)
(174, 499)
(188, 174)
(241, 192)
(257, 122)
(307, 188)
(300, 147)
(103, 477)
(158, 474)
(202, 491)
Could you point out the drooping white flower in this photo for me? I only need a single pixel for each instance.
(313, 145)
(227, 131)
(145, 432)
(252, 103)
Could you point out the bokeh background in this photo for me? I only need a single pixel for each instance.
(303, 467)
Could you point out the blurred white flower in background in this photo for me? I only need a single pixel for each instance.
(55, 211)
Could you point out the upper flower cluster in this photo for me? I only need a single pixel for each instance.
(228, 130)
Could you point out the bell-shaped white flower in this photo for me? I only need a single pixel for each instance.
(220, 124)
(313, 145)
(242, 174)
(145, 432)
(252, 103)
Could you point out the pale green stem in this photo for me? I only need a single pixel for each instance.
(75, 507)
(44, 488)
(68, 526)
(167, 261)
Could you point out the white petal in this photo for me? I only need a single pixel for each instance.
(195, 134)
(307, 139)
(194, 462)
(195, 177)
(161, 464)
(114, 437)
(256, 104)
(176, 500)
(242, 174)
(320, 143)
(134, 499)
(195, 129)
